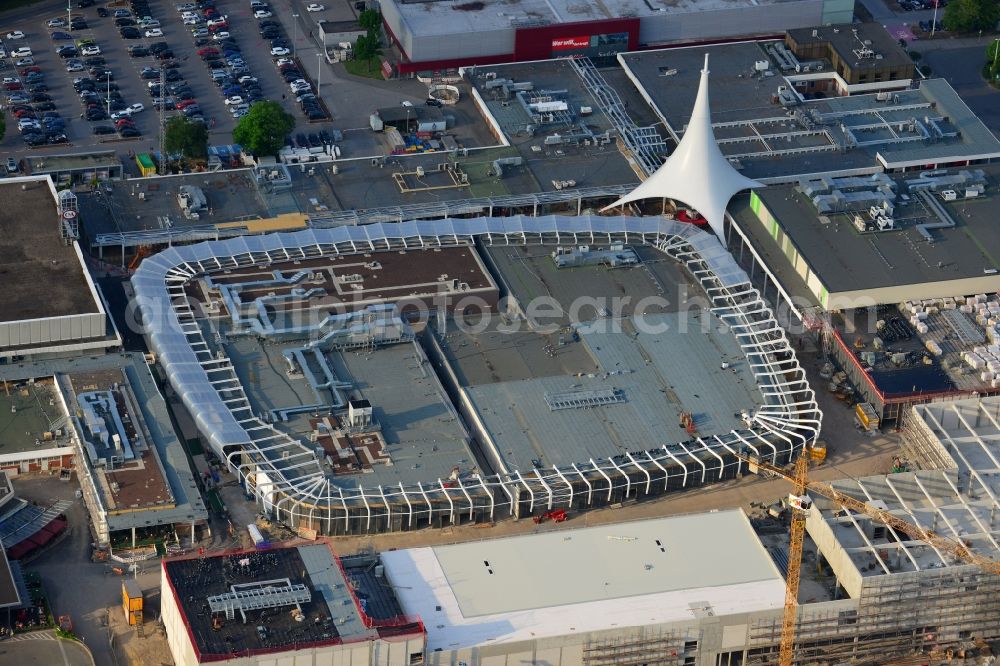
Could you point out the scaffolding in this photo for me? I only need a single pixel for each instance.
(665, 650)
(896, 615)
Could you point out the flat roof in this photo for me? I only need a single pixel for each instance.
(588, 579)
(770, 141)
(660, 375)
(423, 435)
(53, 163)
(352, 282)
(165, 465)
(846, 260)
(445, 18)
(195, 579)
(847, 38)
(42, 276)
(26, 415)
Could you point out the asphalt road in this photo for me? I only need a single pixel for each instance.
(86, 591)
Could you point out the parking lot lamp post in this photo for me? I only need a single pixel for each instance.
(934, 20)
(295, 34)
(69, 13)
(109, 95)
(319, 71)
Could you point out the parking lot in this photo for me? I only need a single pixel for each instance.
(126, 71)
(349, 99)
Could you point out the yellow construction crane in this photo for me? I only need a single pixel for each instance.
(799, 503)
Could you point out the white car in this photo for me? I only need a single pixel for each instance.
(217, 21)
(222, 34)
(315, 8)
(262, 14)
(135, 108)
(24, 62)
(194, 20)
(21, 52)
(283, 61)
(185, 7)
(57, 22)
(155, 32)
(91, 50)
(235, 99)
(279, 51)
(17, 34)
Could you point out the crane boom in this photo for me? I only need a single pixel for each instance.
(958, 550)
(801, 484)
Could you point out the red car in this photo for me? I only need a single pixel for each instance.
(13, 86)
(208, 51)
(29, 70)
(124, 122)
(218, 27)
(24, 113)
(186, 103)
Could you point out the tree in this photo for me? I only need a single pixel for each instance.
(262, 131)
(370, 20)
(366, 47)
(188, 138)
(992, 68)
(971, 15)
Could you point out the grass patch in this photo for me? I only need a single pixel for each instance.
(370, 68)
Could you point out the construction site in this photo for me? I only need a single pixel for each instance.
(559, 418)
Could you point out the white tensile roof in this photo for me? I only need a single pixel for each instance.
(697, 173)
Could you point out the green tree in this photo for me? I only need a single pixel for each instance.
(188, 138)
(366, 47)
(971, 15)
(262, 131)
(370, 20)
(992, 69)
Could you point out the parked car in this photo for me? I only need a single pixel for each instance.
(56, 22)
(314, 8)
(154, 32)
(21, 52)
(17, 34)
(60, 36)
(91, 50)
